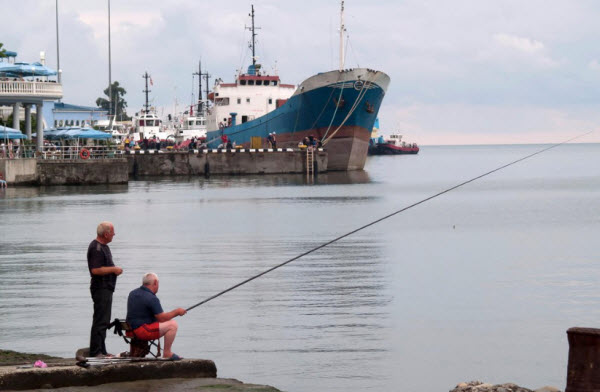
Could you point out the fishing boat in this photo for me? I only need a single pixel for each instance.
(146, 123)
(190, 126)
(338, 108)
(393, 145)
(117, 130)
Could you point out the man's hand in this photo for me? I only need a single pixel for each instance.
(180, 311)
(118, 271)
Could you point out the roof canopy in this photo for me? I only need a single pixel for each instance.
(25, 69)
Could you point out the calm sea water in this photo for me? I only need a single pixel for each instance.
(480, 283)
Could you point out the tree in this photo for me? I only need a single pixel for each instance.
(2, 50)
(118, 102)
(9, 123)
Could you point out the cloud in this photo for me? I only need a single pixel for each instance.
(526, 45)
(594, 65)
(460, 62)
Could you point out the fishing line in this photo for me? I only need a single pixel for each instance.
(383, 218)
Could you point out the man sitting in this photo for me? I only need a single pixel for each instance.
(147, 318)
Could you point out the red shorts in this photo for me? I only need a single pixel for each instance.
(147, 332)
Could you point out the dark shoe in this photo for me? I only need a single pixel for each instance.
(175, 357)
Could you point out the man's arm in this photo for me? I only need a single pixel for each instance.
(107, 271)
(166, 316)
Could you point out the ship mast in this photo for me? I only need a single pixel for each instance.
(199, 73)
(342, 30)
(206, 76)
(253, 43)
(253, 38)
(146, 76)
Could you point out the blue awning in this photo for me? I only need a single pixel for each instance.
(25, 69)
(75, 133)
(10, 133)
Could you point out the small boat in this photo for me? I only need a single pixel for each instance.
(393, 145)
(192, 125)
(117, 130)
(146, 123)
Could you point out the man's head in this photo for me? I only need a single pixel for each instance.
(150, 280)
(105, 232)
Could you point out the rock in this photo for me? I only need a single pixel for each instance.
(547, 389)
(478, 386)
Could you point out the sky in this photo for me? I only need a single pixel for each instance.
(462, 71)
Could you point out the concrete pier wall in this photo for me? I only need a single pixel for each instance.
(232, 163)
(145, 163)
(19, 171)
(69, 172)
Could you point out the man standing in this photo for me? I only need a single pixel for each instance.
(147, 318)
(104, 279)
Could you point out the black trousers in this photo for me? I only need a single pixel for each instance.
(102, 306)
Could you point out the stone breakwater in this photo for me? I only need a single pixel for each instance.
(478, 386)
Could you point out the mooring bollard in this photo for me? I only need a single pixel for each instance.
(583, 369)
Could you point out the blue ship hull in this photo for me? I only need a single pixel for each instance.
(339, 108)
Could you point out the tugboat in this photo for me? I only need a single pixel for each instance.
(146, 123)
(391, 146)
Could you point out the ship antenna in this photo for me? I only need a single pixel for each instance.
(342, 30)
(207, 77)
(253, 43)
(199, 73)
(146, 76)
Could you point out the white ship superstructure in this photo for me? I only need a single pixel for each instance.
(148, 125)
(251, 96)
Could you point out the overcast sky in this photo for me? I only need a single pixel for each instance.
(462, 71)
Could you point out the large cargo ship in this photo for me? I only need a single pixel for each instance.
(338, 108)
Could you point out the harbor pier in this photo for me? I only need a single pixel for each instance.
(104, 166)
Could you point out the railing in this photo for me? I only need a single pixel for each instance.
(61, 152)
(76, 152)
(31, 88)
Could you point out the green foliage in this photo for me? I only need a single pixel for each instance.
(2, 50)
(118, 102)
(9, 123)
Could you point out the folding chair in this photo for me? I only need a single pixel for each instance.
(138, 348)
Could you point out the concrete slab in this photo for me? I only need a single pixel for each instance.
(66, 374)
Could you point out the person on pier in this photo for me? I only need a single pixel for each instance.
(146, 317)
(103, 274)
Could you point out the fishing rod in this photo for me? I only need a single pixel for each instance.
(383, 218)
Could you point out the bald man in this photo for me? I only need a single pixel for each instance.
(146, 317)
(103, 273)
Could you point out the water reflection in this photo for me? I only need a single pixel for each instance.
(61, 190)
(328, 178)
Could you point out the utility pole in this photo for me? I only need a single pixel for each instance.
(57, 48)
(110, 97)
